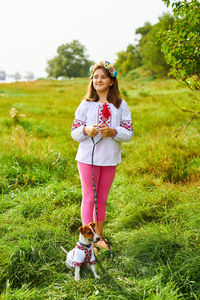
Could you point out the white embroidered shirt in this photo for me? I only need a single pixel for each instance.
(108, 150)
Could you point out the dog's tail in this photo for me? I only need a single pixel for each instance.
(63, 249)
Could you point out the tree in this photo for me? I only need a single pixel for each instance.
(181, 44)
(144, 30)
(147, 52)
(150, 46)
(71, 61)
(128, 60)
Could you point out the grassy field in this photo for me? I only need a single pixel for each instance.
(153, 211)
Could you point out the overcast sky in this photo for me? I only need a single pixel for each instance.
(32, 30)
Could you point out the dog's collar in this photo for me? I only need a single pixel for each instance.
(84, 245)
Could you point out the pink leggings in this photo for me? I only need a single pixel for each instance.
(103, 177)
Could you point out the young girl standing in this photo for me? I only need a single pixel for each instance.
(104, 118)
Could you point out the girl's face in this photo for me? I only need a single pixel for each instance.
(101, 81)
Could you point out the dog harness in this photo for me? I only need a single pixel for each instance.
(81, 255)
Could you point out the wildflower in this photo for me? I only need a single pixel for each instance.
(15, 115)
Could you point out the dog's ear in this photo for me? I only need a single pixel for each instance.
(81, 229)
(92, 224)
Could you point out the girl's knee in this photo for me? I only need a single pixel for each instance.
(88, 199)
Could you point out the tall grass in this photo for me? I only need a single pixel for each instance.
(153, 211)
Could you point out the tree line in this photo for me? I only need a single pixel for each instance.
(171, 46)
(147, 52)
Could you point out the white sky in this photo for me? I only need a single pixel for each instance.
(32, 30)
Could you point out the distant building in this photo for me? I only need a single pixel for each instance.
(2, 75)
(29, 76)
(17, 76)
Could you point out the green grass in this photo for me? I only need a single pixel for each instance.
(153, 210)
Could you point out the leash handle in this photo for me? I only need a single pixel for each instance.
(95, 193)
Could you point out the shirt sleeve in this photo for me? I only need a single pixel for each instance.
(125, 130)
(79, 123)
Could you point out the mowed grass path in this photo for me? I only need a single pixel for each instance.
(153, 211)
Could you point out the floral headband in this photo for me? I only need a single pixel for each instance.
(106, 64)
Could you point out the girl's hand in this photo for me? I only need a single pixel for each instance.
(106, 131)
(91, 130)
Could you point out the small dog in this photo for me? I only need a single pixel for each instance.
(83, 253)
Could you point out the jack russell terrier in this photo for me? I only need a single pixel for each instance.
(83, 253)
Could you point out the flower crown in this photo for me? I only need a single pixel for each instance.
(106, 64)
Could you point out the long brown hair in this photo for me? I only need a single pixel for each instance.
(113, 96)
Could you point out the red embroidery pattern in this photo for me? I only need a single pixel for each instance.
(104, 114)
(77, 123)
(93, 262)
(76, 264)
(127, 124)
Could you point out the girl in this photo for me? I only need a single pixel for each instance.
(106, 118)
